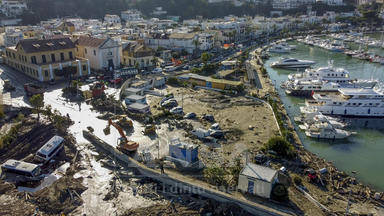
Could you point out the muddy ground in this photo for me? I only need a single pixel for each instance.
(235, 114)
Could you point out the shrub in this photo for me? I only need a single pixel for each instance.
(173, 81)
(281, 146)
(297, 180)
(215, 175)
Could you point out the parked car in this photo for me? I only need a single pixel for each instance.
(166, 98)
(218, 134)
(209, 117)
(170, 68)
(177, 110)
(116, 81)
(171, 103)
(215, 126)
(190, 115)
(186, 67)
(157, 70)
(90, 79)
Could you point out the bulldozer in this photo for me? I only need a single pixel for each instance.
(126, 146)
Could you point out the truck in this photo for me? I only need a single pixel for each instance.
(33, 89)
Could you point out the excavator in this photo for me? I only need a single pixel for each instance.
(126, 146)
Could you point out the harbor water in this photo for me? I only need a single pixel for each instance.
(361, 153)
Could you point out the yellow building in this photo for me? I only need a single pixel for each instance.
(66, 27)
(48, 59)
(136, 54)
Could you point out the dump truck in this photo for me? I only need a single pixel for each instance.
(33, 89)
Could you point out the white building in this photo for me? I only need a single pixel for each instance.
(159, 11)
(13, 7)
(206, 41)
(12, 36)
(332, 2)
(258, 180)
(131, 15)
(175, 41)
(111, 19)
(101, 53)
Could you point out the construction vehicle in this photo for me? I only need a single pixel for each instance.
(33, 89)
(8, 86)
(149, 129)
(125, 123)
(126, 146)
(97, 89)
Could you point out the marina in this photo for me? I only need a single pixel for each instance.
(360, 152)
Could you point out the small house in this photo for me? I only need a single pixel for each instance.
(139, 108)
(130, 99)
(134, 91)
(184, 152)
(257, 179)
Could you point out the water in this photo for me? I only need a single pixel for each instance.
(363, 152)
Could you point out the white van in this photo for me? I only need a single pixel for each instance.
(50, 149)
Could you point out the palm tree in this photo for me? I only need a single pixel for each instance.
(197, 43)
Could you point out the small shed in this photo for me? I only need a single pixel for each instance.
(183, 151)
(257, 179)
(130, 99)
(139, 108)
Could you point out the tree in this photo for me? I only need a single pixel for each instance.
(154, 61)
(281, 146)
(205, 57)
(37, 101)
(196, 43)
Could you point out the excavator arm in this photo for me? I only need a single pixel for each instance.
(118, 128)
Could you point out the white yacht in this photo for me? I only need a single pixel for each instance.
(359, 102)
(292, 63)
(279, 49)
(315, 118)
(326, 131)
(324, 79)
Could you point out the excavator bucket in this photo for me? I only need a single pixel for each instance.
(107, 130)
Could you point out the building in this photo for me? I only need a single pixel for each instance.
(131, 99)
(66, 27)
(136, 54)
(183, 152)
(12, 8)
(206, 41)
(257, 179)
(131, 16)
(175, 41)
(209, 82)
(111, 19)
(48, 59)
(12, 36)
(103, 54)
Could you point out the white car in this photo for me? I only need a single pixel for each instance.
(157, 70)
(177, 110)
(170, 68)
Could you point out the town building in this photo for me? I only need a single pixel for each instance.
(48, 59)
(103, 54)
(257, 179)
(175, 41)
(131, 16)
(137, 54)
(111, 19)
(12, 8)
(206, 41)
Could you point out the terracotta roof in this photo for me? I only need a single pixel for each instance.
(90, 41)
(37, 45)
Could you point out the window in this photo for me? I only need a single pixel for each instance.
(44, 59)
(46, 73)
(53, 58)
(62, 56)
(85, 50)
(70, 55)
(33, 59)
(84, 67)
(94, 52)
